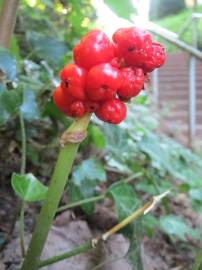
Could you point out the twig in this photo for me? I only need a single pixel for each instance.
(92, 244)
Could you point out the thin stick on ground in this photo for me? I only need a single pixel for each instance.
(94, 242)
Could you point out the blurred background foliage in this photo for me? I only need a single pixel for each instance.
(44, 36)
(173, 15)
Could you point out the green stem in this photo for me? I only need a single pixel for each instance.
(83, 248)
(58, 181)
(22, 231)
(24, 149)
(132, 177)
(81, 202)
(22, 171)
(198, 261)
(95, 198)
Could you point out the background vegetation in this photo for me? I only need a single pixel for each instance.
(44, 36)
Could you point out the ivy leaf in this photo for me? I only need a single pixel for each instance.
(196, 194)
(47, 48)
(10, 102)
(28, 187)
(29, 107)
(97, 136)
(122, 9)
(176, 226)
(7, 64)
(198, 261)
(84, 180)
(126, 202)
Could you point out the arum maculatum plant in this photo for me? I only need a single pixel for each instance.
(105, 76)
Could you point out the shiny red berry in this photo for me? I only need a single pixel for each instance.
(156, 57)
(91, 106)
(95, 48)
(102, 82)
(112, 111)
(73, 81)
(77, 109)
(132, 84)
(132, 44)
(62, 101)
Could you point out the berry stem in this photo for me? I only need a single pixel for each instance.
(57, 184)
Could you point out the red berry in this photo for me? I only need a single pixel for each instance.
(62, 101)
(156, 58)
(73, 81)
(133, 82)
(91, 106)
(77, 108)
(95, 48)
(102, 82)
(132, 44)
(112, 111)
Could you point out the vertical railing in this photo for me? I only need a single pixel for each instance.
(194, 55)
(192, 86)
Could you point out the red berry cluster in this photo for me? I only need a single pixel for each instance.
(106, 74)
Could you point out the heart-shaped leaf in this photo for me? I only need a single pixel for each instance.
(84, 180)
(176, 226)
(97, 136)
(28, 187)
(125, 200)
(10, 102)
(29, 106)
(7, 64)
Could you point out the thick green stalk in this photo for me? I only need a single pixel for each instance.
(58, 181)
(83, 248)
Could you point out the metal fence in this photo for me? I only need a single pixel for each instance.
(194, 53)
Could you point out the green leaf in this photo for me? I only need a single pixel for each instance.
(14, 47)
(150, 223)
(90, 169)
(10, 102)
(53, 112)
(196, 194)
(48, 48)
(134, 253)
(28, 187)
(176, 226)
(97, 136)
(122, 9)
(198, 261)
(126, 201)
(29, 107)
(84, 180)
(7, 64)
